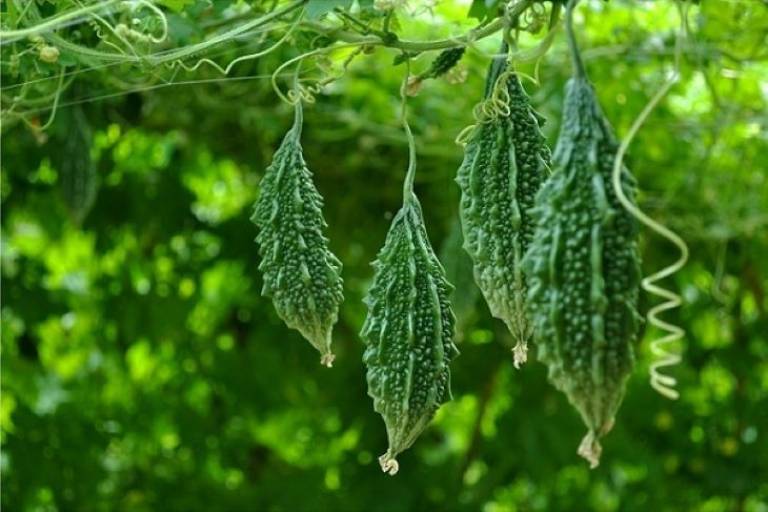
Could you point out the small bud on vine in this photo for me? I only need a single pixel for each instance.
(49, 54)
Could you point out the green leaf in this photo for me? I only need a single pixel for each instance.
(177, 5)
(482, 8)
(317, 8)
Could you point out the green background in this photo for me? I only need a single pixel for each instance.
(142, 370)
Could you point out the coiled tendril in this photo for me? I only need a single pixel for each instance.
(664, 357)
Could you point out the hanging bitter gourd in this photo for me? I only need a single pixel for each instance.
(409, 329)
(408, 333)
(445, 61)
(300, 273)
(583, 266)
(505, 163)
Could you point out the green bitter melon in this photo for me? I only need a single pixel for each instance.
(583, 266)
(408, 333)
(301, 274)
(506, 161)
(443, 63)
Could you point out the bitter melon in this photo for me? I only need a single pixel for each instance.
(505, 163)
(408, 333)
(583, 266)
(301, 274)
(444, 62)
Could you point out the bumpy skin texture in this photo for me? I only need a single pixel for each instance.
(505, 163)
(408, 333)
(583, 269)
(444, 62)
(300, 273)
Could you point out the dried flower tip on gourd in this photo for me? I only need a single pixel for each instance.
(414, 86)
(457, 75)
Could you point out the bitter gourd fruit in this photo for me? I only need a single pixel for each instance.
(505, 163)
(583, 266)
(300, 273)
(444, 62)
(408, 333)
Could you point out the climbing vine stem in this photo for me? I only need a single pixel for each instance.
(578, 65)
(480, 32)
(8, 36)
(411, 174)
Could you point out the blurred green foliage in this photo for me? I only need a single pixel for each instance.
(141, 370)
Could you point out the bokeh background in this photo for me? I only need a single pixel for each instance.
(142, 370)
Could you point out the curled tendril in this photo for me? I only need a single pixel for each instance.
(120, 32)
(498, 103)
(665, 358)
(301, 93)
(533, 18)
(491, 108)
(163, 21)
(243, 58)
(307, 93)
(54, 108)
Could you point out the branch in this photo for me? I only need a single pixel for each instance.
(477, 33)
(69, 17)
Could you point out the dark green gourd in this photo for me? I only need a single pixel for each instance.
(506, 161)
(300, 273)
(444, 62)
(408, 333)
(583, 266)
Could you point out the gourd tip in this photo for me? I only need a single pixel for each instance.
(389, 464)
(590, 449)
(327, 360)
(520, 353)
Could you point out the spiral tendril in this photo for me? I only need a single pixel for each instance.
(664, 356)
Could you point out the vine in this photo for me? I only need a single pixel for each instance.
(410, 176)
